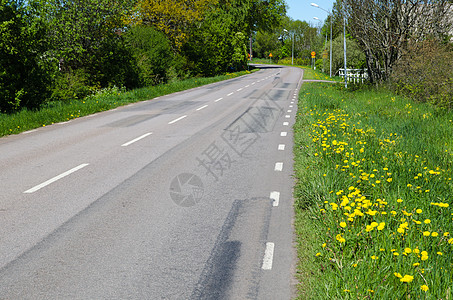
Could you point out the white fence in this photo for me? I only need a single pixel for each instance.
(355, 75)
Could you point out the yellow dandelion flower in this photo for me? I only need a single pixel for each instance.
(418, 211)
(343, 224)
(407, 278)
(381, 226)
(424, 288)
(398, 275)
(426, 233)
(415, 264)
(340, 238)
(434, 234)
(427, 221)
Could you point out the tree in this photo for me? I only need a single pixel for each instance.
(216, 45)
(78, 29)
(384, 28)
(354, 54)
(173, 17)
(23, 76)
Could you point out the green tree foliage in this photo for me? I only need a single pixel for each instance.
(306, 40)
(355, 57)
(173, 17)
(85, 38)
(23, 78)
(152, 53)
(217, 44)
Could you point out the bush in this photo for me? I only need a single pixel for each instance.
(72, 85)
(152, 52)
(425, 73)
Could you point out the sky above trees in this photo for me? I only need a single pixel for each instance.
(302, 10)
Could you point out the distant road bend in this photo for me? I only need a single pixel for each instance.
(188, 196)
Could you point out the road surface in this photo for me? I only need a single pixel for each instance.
(186, 196)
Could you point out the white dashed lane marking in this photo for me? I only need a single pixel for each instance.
(52, 180)
(200, 108)
(176, 120)
(268, 256)
(278, 167)
(136, 140)
(275, 196)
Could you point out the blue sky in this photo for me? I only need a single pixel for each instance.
(302, 10)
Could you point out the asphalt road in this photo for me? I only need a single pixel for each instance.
(187, 196)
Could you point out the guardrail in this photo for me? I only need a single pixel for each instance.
(354, 75)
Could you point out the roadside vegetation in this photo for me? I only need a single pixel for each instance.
(373, 195)
(61, 50)
(102, 100)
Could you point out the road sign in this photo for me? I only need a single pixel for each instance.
(313, 54)
(270, 54)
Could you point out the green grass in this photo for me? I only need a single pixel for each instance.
(103, 100)
(311, 74)
(374, 182)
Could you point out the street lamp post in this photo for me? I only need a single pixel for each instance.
(331, 17)
(292, 48)
(344, 45)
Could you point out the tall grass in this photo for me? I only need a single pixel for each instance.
(375, 175)
(105, 99)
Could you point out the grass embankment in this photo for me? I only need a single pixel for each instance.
(373, 196)
(106, 99)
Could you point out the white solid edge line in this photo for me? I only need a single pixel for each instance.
(268, 256)
(200, 108)
(275, 196)
(52, 180)
(136, 140)
(281, 147)
(178, 119)
(278, 166)
(218, 100)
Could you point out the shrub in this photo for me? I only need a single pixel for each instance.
(152, 52)
(425, 73)
(71, 85)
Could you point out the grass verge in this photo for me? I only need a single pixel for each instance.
(105, 99)
(373, 196)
